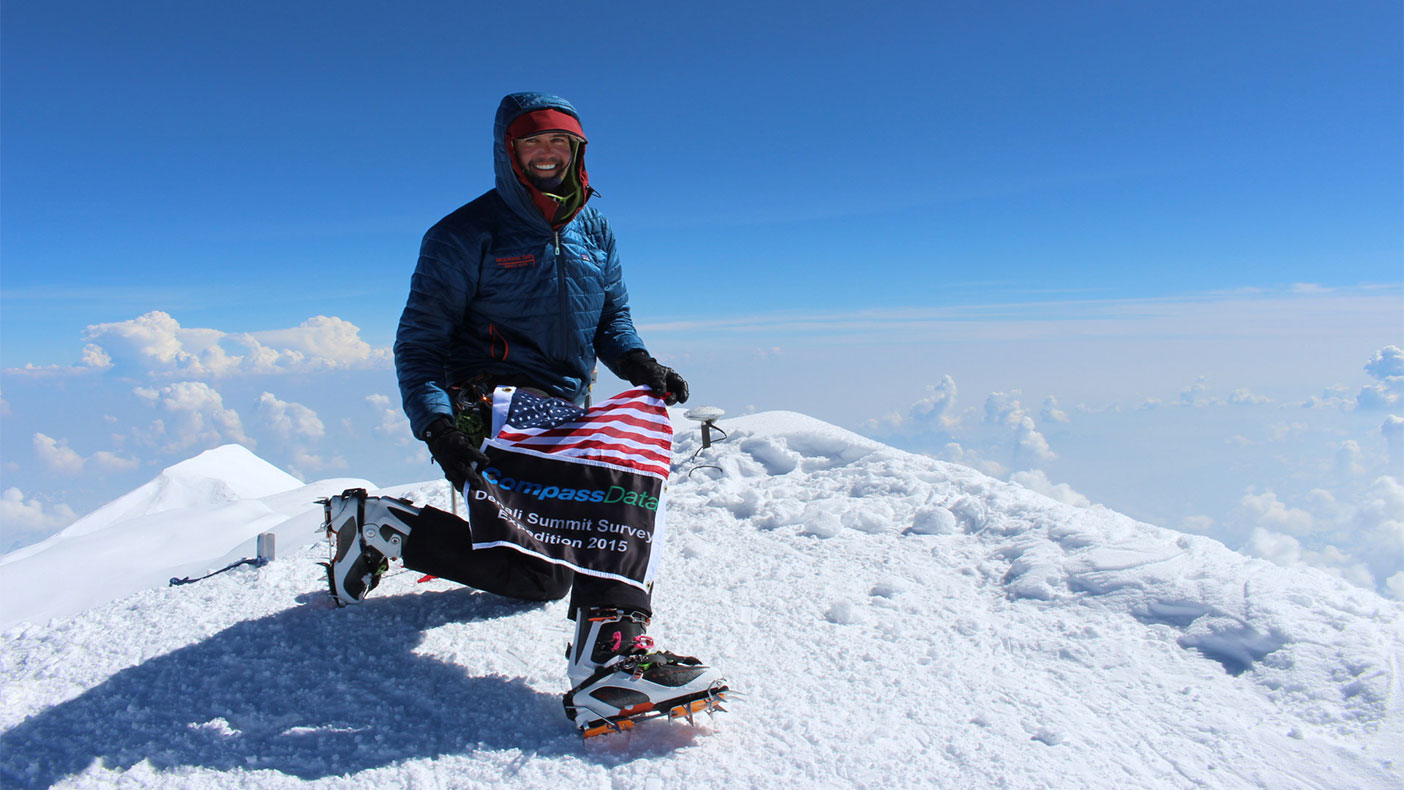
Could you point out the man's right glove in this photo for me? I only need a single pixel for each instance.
(641, 370)
(455, 453)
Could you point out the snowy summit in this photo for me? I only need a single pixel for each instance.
(891, 620)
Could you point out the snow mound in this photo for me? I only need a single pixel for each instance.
(891, 620)
(194, 517)
(224, 474)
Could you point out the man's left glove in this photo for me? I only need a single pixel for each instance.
(639, 369)
(455, 453)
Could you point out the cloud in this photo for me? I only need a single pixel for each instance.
(289, 420)
(1050, 411)
(1394, 586)
(1243, 397)
(56, 455)
(1349, 458)
(392, 423)
(1385, 395)
(1393, 431)
(1288, 552)
(1212, 316)
(1007, 431)
(1037, 480)
(1266, 511)
(935, 411)
(26, 520)
(94, 357)
(1310, 289)
(110, 462)
(956, 454)
(1378, 524)
(1004, 408)
(303, 461)
(1333, 397)
(1387, 363)
(1198, 524)
(156, 344)
(1362, 542)
(1197, 395)
(198, 416)
(1282, 431)
(1031, 449)
(1387, 368)
(323, 342)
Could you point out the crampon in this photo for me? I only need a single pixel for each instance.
(686, 708)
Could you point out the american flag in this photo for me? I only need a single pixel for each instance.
(631, 429)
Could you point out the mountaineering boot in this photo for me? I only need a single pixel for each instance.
(618, 677)
(366, 533)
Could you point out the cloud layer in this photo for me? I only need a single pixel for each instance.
(1316, 486)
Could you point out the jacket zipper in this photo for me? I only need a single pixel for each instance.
(561, 296)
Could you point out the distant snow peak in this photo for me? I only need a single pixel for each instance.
(245, 474)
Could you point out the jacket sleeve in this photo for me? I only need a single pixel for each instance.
(615, 336)
(443, 283)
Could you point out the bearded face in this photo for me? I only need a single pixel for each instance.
(545, 158)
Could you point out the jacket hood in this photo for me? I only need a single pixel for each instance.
(524, 199)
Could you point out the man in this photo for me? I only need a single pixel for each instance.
(521, 287)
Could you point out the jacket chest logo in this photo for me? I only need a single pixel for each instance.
(515, 261)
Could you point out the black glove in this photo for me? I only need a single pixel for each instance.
(455, 453)
(639, 369)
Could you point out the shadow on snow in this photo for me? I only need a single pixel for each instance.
(308, 691)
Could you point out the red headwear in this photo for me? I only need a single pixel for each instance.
(538, 121)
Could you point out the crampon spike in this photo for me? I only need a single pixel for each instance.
(688, 709)
(607, 727)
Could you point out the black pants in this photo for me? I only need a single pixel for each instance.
(439, 545)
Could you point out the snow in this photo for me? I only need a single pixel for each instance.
(890, 619)
(194, 517)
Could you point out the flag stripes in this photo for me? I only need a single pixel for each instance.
(631, 429)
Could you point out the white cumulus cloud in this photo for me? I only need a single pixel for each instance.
(1197, 394)
(1244, 397)
(1361, 540)
(26, 519)
(1031, 448)
(1387, 363)
(1387, 368)
(289, 420)
(1051, 412)
(155, 343)
(323, 342)
(56, 455)
(1349, 458)
(934, 411)
(1037, 480)
(1266, 511)
(197, 416)
(392, 422)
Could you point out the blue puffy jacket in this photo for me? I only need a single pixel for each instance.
(499, 291)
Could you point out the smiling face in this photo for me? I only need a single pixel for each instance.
(545, 157)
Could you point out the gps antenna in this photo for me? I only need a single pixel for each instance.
(708, 416)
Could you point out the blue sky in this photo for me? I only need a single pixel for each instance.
(1101, 203)
(1111, 149)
